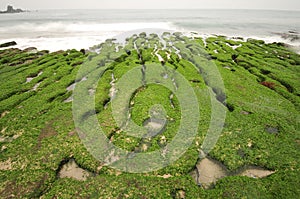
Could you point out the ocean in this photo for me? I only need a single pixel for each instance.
(66, 29)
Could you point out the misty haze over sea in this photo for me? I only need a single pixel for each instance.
(65, 29)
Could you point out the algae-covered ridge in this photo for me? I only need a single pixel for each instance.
(259, 91)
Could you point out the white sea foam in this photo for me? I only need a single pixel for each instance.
(61, 36)
(61, 28)
(294, 45)
(58, 43)
(85, 41)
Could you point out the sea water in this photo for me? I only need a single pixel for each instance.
(66, 29)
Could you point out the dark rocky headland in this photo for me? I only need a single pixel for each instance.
(11, 10)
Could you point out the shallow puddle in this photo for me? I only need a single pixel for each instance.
(209, 171)
(156, 124)
(71, 87)
(255, 172)
(36, 86)
(70, 99)
(72, 170)
(29, 79)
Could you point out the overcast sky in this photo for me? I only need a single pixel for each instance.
(153, 4)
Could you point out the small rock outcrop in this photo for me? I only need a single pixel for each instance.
(290, 35)
(8, 44)
(10, 9)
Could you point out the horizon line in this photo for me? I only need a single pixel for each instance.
(256, 9)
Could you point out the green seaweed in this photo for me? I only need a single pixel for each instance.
(261, 93)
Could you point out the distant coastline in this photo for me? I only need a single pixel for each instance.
(10, 10)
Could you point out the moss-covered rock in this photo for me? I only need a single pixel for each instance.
(261, 96)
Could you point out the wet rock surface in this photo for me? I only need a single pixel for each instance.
(290, 35)
(8, 44)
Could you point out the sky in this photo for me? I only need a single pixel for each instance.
(153, 4)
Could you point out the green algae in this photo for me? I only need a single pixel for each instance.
(48, 135)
